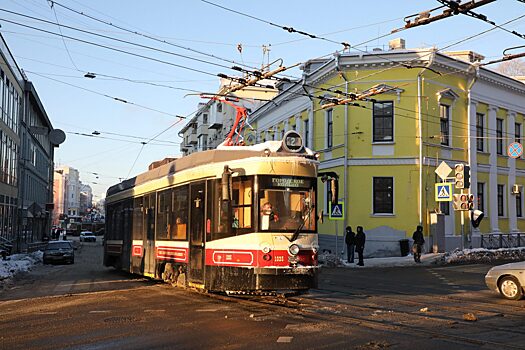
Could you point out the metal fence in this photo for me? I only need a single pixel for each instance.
(502, 240)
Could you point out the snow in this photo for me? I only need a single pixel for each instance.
(18, 263)
(477, 255)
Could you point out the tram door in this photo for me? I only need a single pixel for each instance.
(197, 205)
(149, 238)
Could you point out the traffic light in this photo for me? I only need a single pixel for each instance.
(463, 201)
(462, 176)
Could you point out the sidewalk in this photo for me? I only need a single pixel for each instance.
(329, 260)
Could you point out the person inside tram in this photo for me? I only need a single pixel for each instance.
(268, 216)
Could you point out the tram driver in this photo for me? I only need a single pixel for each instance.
(268, 216)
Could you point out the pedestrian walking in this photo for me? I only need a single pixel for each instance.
(350, 244)
(418, 243)
(360, 239)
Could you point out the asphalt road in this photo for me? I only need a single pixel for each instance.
(87, 306)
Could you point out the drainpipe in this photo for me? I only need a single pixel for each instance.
(420, 133)
(345, 161)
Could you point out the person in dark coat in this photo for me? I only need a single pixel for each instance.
(350, 244)
(360, 239)
(418, 243)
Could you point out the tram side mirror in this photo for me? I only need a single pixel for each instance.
(334, 185)
(320, 216)
(225, 183)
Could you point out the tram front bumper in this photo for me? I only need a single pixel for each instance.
(281, 271)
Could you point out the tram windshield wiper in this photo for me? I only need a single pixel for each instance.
(304, 219)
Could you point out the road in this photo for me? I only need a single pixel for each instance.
(87, 306)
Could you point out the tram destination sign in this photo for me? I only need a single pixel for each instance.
(290, 182)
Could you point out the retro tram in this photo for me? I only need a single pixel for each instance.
(235, 219)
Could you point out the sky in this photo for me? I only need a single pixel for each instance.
(194, 41)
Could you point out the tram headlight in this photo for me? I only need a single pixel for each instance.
(266, 250)
(293, 249)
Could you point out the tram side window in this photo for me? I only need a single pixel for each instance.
(163, 226)
(127, 214)
(138, 221)
(233, 221)
(179, 214)
(242, 200)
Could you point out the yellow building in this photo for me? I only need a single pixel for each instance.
(437, 107)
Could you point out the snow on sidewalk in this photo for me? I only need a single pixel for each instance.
(17, 263)
(477, 255)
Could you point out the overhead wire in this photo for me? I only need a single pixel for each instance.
(118, 40)
(146, 35)
(111, 48)
(118, 99)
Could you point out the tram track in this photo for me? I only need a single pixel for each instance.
(302, 308)
(424, 302)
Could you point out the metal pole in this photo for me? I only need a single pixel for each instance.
(336, 238)
(462, 230)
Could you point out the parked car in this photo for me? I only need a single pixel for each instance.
(508, 280)
(59, 251)
(87, 236)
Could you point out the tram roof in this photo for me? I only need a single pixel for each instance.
(221, 154)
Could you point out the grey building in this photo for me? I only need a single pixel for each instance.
(38, 140)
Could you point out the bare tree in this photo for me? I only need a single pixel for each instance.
(512, 68)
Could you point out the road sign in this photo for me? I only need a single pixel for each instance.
(443, 170)
(515, 150)
(337, 211)
(443, 192)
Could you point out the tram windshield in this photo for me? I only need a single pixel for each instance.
(286, 204)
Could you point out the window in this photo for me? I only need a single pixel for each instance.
(163, 226)
(219, 107)
(444, 207)
(138, 225)
(499, 136)
(179, 213)
(329, 128)
(481, 196)
(306, 132)
(519, 212)
(444, 115)
(517, 132)
(383, 121)
(205, 119)
(287, 204)
(227, 219)
(501, 200)
(383, 195)
(480, 141)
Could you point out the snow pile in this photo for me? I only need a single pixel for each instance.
(326, 258)
(484, 255)
(18, 262)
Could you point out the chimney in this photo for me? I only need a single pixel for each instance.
(396, 44)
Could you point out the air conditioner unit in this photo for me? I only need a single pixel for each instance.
(516, 189)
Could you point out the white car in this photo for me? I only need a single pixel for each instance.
(508, 280)
(87, 236)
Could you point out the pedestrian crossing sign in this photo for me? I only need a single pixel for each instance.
(337, 211)
(443, 192)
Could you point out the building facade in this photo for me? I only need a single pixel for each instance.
(435, 107)
(38, 140)
(66, 188)
(11, 92)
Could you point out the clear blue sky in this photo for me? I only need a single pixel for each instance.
(200, 26)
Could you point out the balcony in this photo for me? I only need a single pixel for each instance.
(203, 129)
(192, 139)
